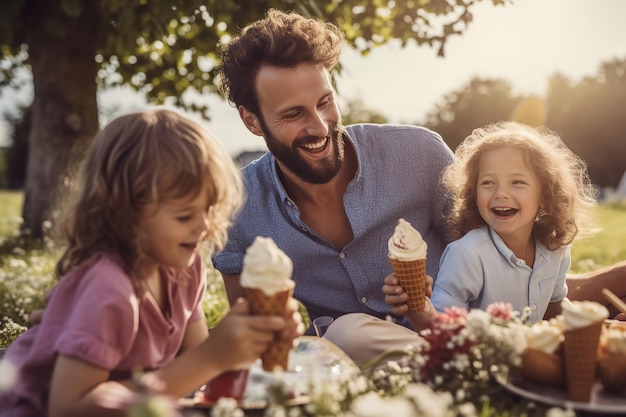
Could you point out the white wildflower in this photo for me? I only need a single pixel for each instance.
(559, 412)
(373, 405)
(16, 263)
(226, 407)
(467, 410)
(429, 403)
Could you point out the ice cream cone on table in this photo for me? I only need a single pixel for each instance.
(583, 326)
(266, 279)
(407, 254)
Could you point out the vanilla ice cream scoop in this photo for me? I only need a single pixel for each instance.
(406, 243)
(266, 267)
(577, 314)
(614, 341)
(544, 336)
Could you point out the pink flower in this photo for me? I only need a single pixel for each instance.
(456, 315)
(500, 310)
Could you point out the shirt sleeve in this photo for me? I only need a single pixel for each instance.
(560, 289)
(460, 279)
(103, 321)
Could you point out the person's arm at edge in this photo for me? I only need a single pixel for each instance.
(589, 285)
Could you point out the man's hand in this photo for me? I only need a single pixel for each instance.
(397, 298)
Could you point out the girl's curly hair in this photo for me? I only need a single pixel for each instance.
(566, 190)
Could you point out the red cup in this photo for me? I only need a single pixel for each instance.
(231, 384)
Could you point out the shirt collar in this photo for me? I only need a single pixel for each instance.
(541, 252)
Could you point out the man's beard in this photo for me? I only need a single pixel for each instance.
(319, 173)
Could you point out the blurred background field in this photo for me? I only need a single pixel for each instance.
(27, 273)
(606, 247)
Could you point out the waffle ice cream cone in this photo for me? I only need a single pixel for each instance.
(407, 255)
(581, 353)
(583, 327)
(266, 280)
(412, 278)
(277, 353)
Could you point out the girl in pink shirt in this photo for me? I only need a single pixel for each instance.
(155, 188)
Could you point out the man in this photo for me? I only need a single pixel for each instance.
(329, 196)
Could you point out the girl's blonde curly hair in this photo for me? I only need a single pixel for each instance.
(566, 190)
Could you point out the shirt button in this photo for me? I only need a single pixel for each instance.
(519, 262)
(290, 203)
(533, 307)
(342, 255)
(364, 300)
(303, 229)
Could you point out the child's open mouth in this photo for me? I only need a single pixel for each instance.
(504, 212)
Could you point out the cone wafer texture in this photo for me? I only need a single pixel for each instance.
(581, 354)
(412, 278)
(277, 352)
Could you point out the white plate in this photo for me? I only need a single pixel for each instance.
(601, 400)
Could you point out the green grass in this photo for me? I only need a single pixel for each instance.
(606, 247)
(10, 212)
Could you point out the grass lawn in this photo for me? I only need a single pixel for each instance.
(606, 247)
(10, 212)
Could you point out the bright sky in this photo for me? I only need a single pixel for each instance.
(523, 43)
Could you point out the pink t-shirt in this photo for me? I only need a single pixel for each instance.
(95, 315)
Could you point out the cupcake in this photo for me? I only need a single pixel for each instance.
(542, 360)
(612, 358)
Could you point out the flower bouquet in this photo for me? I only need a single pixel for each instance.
(451, 370)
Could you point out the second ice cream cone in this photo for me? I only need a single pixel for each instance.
(412, 278)
(407, 254)
(581, 353)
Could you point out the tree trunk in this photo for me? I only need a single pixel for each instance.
(61, 53)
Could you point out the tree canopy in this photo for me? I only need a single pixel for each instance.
(163, 49)
(588, 115)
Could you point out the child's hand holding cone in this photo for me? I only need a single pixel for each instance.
(266, 279)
